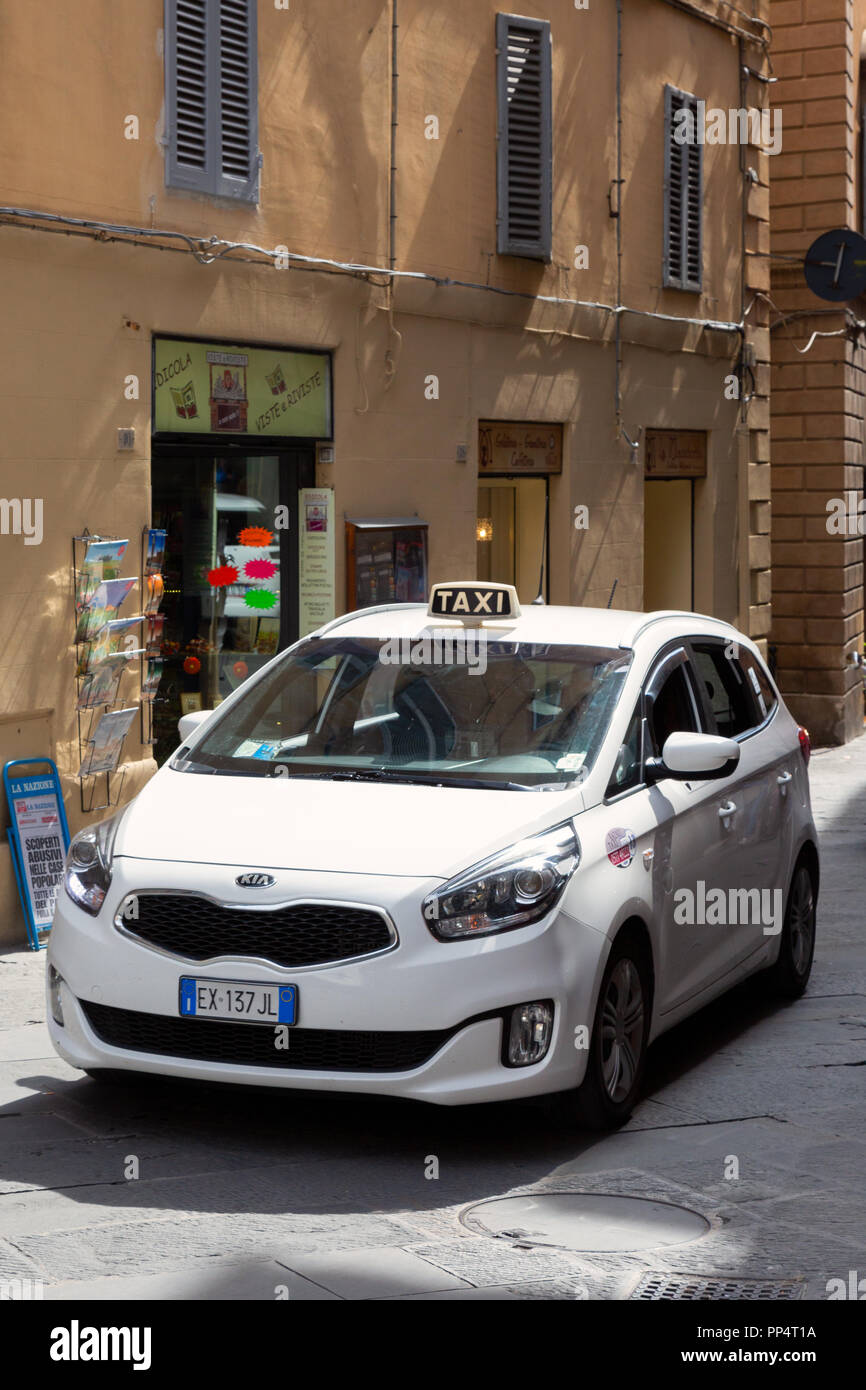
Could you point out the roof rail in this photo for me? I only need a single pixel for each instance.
(361, 612)
(663, 613)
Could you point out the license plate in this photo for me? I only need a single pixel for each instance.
(238, 1000)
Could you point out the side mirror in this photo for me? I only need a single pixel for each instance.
(188, 723)
(694, 757)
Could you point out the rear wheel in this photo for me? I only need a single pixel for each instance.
(617, 1053)
(790, 974)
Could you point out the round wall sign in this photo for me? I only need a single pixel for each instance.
(835, 265)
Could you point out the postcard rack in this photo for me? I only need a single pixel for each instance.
(99, 667)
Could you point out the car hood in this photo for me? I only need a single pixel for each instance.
(336, 827)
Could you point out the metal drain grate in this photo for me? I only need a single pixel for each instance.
(653, 1287)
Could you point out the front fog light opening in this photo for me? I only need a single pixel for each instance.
(55, 981)
(530, 1029)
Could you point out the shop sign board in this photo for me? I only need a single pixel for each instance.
(232, 389)
(316, 570)
(676, 454)
(509, 446)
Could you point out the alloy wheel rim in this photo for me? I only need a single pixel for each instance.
(802, 921)
(622, 1021)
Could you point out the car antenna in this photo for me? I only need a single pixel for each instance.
(612, 592)
(539, 598)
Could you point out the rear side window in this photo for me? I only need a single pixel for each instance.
(732, 697)
(763, 692)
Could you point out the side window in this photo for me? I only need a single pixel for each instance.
(735, 707)
(762, 690)
(673, 709)
(627, 772)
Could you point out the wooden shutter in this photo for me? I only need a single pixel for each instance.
(237, 135)
(524, 137)
(212, 97)
(190, 75)
(683, 198)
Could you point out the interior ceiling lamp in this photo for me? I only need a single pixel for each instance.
(484, 528)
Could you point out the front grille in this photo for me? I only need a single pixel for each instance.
(303, 934)
(252, 1045)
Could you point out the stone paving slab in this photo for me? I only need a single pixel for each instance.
(175, 1243)
(385, 1273)
(258, 1282)
(482, 1260)
(27, 1043)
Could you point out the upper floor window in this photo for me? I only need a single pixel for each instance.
(524, 174)
(212, 97)
(683, 193)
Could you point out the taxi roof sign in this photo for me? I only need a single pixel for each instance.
(473, 603)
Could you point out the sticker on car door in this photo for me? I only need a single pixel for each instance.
(619, 846)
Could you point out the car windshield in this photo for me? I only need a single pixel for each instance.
(455, 710)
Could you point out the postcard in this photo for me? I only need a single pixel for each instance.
(114, 637)
(107, 742)
(101, 606)
(100, 686)
(155, 553)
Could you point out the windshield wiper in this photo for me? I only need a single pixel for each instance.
(393, 774)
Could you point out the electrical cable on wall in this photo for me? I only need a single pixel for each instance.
(207, 250)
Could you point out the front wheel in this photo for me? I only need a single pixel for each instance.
(617, 1053)
(790, 974)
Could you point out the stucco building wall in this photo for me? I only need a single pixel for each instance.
(80, 311)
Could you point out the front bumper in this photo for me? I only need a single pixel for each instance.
(441, 1002)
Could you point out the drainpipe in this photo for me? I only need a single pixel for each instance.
(618, 325)
(744, 577)
(392, 231)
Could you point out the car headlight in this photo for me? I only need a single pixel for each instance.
(511, 889)
(87, 872)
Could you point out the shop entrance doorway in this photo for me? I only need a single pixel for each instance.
(230, 572)
(510, 533)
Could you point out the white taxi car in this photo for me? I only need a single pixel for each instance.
(458, 853)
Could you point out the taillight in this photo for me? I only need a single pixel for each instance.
(805, 744)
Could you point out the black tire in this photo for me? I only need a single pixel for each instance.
(617, 1053)
(788, 977)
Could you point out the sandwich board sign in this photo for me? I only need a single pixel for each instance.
(38, 838)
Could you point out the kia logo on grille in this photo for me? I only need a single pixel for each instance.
(255, 881)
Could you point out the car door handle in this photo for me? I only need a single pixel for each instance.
(782, 782)
(727, 809)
